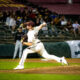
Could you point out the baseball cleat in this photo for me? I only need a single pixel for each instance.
(63, 61)
(44, 59)
(19, 67)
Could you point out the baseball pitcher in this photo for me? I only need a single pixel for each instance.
(35, 45)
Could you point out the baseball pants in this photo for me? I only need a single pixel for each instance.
(39, 48)
(18, 46)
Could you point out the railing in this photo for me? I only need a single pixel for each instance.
(49, 1)
(7, 37)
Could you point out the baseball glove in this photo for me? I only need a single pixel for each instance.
(24, 38)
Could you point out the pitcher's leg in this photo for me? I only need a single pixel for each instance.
(46, 55)
(53, 57)
(24, 55)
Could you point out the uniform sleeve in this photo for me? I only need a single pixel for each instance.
(31, 38)
(37, 28)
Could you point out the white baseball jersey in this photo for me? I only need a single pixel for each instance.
(32, 35)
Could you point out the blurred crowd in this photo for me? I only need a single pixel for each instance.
(56, 25)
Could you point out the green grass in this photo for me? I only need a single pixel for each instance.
(5, 64)
(11, 64)
(38, 77)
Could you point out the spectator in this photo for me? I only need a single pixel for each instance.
(1, 17)
(52, 29)
(4, 16)
(70, 28)
(37, 21)
(63, 21)
(76, 27)
(12, 23)
(45, 31)
(19, 21)
(18, 12)
(32, 16)
(8, 21)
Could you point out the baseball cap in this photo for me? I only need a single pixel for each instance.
(30, 23)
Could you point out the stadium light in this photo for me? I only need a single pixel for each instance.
(70, 1)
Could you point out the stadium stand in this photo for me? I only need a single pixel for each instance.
(48, 1)
(59, 6)
(76, 1)
(64, 8)
(5, 35)
(10, 5)
(53, 1)
(52, 14)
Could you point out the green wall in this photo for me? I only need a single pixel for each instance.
(56, 48)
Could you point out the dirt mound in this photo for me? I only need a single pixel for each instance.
(71, 69)
(48, 70)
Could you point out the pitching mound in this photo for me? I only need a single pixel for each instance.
(70, 69)
(48, 70)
